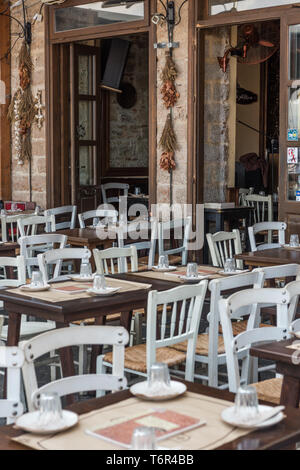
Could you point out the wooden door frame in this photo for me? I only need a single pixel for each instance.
(5, 128)
(287, 208)
(53, 93)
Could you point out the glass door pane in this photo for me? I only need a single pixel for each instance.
(294, 52)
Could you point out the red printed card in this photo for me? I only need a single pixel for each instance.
(165, 422)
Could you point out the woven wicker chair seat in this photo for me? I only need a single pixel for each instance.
(202, 345)
(240, 326)
(112, 317)
(269, 390)
(135, 357)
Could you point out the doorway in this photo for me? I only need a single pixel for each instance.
(240, 111)
(102, 108)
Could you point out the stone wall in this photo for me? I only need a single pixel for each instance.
(20, 173)
(180, 111)
(216, 113)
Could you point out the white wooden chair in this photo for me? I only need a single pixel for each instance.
(108, 215)
(181, 229)
(210, 349)
(263, 209)
(182, 325)
(12, 359)
(269, 227)
(120, 187)
(28, 328)
(243, 192)
(132, 231)
(115, 336)
(56, 257)
(283, 274)
(295, 326)
(106, 263)
(223, 245)
(113, 256)
(9, 226)
(62, 211)
(29, 225)
(32, 245)
(268, 390)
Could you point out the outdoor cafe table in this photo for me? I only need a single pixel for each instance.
(271, 257)
(282, 436)
(86, 237)
(64, 312)
(283, 355)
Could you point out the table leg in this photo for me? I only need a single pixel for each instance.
(219, 222)
(125, 320)
(67, 362)
(14, 326)
(290, 392)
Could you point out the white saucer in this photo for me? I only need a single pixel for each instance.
(106, 291)
(234, 273)
(228, 415)
(29, 422)
(141, 390)
(170, 268)
(76, 277)
(28, 288)
(194, 279)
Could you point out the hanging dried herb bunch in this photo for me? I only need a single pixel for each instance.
(168, 143)
(168, 90)
(22, 107)
(169, 72)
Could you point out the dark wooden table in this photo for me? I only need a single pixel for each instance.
(232, 216)
(272, 257)
(86, 237)
(9, 249)
(283, 435)
(65, 312)
(287, 363)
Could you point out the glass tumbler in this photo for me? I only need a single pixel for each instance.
(50, 411)
(294, 240)
(85, 269)
(99, 282)
(159, 377)
(163, 262)
(36, 279)
(143, 438)
(229, 266)
(246, 403)
(192, 270)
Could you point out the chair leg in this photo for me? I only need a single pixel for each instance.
(100, 369)
(81, 360)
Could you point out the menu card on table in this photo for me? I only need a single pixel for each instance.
(166, 423)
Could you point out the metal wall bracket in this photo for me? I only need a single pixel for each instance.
(163, 45)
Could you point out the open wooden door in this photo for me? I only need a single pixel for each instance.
(289, 176)
(85, 127)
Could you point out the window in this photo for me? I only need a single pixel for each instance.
(96, 14)
(223, 6)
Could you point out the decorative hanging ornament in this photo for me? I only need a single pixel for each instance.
(22, 110)
(168, 143)
(39, 116)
